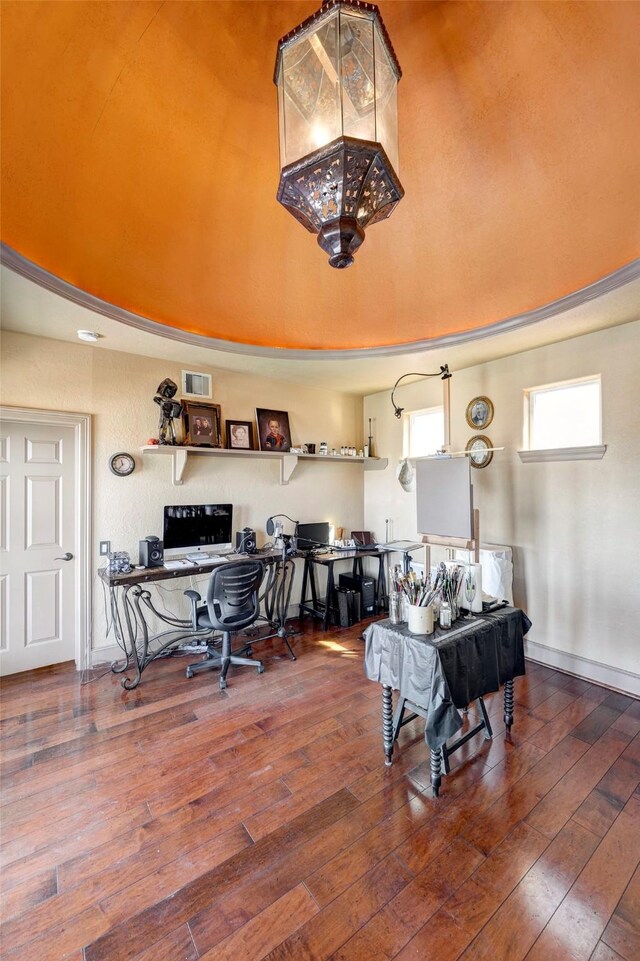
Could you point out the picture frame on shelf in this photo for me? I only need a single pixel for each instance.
(273, 429)
(239, 435)
(479, 413)
(202, 424)
(478, 448)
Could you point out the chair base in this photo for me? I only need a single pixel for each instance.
(224, 660)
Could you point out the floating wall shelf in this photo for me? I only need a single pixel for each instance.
(288, 462)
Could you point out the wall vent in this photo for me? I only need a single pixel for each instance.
(196, 384)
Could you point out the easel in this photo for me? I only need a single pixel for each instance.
(459, 543)
(440, 757)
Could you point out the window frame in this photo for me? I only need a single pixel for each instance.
(580, 452)
(407, 416)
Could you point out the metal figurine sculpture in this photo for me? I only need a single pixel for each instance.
(169, 410)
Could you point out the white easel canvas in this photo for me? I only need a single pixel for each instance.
(444, 497)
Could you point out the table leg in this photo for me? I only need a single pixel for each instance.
(508, 704)
(141, 657)
(123, 640)
(328, 597)
(436, 761)
(381, 586)
(303, 593)
(128, 635)
(387, 724)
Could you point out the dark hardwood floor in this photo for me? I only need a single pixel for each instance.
(175, 822)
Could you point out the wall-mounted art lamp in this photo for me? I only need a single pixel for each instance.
(444, 373)
(337, 77)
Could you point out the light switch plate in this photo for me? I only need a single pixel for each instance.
(105, 547)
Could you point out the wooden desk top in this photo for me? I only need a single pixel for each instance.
(150, 574)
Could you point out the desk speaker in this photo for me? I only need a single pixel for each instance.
(246, 541)
(151, 552)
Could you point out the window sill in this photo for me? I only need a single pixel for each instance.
(563, 453)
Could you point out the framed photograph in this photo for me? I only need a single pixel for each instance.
(202, 424)
(479, 413)
(273, 429)
(239, 435)
(479, 453)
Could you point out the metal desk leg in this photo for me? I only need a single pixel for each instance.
(125, 640)
(303, 593)
(436, 760)
(128, 638)
(381, 586)
(328, 597)
(387, 724)
(508, 704)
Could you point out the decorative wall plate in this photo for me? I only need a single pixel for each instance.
(479, 413)
(122, 464)
(479, 453)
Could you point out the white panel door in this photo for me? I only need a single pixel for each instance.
(38, 620)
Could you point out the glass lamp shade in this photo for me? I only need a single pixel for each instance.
(337, 78)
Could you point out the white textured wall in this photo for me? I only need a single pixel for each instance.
(574, 526)
(118, 389)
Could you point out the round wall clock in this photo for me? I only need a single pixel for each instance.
(479, 450)
(479, 413)
(122, 464)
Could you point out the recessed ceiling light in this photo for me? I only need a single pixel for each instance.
(89, 335)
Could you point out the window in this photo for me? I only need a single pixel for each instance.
(563, 417)
(423, 432)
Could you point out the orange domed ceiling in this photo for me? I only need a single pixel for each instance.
(140, 164)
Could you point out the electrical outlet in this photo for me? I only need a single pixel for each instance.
(105, 547)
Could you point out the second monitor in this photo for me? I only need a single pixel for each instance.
(313, 535)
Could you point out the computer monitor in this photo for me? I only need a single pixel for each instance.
(313, 535)
(191, 528)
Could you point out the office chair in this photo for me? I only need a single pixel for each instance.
(232, 604)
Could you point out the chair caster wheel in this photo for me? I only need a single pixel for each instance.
(261, 669)
(223, 683)
(189, 672)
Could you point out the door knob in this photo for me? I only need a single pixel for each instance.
(67, 557)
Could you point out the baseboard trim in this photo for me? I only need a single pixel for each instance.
(615, 678)
(101, 656)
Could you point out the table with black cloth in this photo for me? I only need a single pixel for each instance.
(439, 674)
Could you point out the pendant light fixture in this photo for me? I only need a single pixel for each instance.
(337, 77)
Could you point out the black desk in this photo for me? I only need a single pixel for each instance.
(438, 674)
(321, 609)
(131, 605)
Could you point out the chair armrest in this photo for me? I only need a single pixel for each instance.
(194, 597)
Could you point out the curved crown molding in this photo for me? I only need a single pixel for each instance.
(26, 268)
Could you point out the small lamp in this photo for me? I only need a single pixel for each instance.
(274, 529)
(337, 78)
